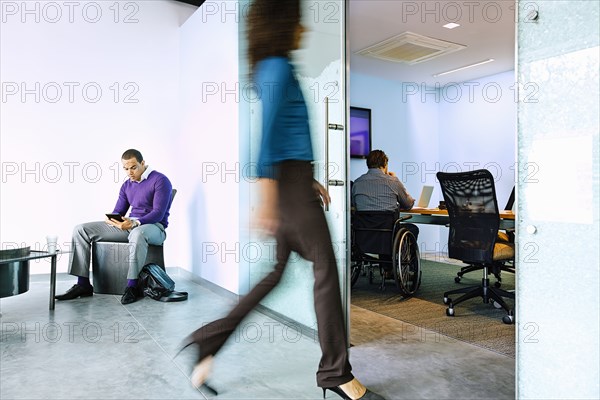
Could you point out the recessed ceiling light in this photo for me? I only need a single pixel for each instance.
(451, 25)
(489, 60)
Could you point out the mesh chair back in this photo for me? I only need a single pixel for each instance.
(473, 210)
(373, 231)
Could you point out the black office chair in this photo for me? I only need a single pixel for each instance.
(497, 268)
(380, 240)
(474, 221)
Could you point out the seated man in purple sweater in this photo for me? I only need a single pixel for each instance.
(148, 193)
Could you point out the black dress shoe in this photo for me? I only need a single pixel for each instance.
(75, 292)
(131, 295)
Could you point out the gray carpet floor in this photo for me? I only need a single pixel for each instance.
(474, 322)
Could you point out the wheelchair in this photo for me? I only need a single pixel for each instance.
(381, 241)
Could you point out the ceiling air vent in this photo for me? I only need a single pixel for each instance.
(410, 48)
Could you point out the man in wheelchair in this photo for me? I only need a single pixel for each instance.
(379, 238)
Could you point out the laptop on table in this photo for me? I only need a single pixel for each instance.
(425, 197)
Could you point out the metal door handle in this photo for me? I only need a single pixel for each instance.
(335, 127)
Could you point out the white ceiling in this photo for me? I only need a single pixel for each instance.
(487, 29)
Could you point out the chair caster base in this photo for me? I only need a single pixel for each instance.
(509, 319)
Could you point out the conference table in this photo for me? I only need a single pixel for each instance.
(435, 216)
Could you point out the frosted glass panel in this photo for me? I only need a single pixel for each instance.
(320, 67)
(558, 224)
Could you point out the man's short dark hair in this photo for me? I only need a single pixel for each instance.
(377, 159)
(131, 153)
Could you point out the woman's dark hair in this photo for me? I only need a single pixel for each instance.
(131, 153)
(271, 28)
(377, 159)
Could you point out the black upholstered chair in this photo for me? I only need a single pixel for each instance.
(473, 237)
(380, 240)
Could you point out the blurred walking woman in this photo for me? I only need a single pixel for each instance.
(290, 201)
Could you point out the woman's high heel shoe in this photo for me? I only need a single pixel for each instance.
(202, 368)
(367, 396)
(201, 372)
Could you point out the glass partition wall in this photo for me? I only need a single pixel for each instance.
(557, 197)
(321, 68)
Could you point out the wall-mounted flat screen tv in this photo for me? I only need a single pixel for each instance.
(360, 132)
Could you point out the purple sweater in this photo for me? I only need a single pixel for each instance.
(149, 199)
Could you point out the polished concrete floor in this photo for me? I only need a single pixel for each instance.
(96, 348)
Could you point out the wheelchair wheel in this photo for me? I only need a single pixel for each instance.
(407, 263)
(356, 268)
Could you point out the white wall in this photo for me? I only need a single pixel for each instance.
(61, 155)
(73, 143)
(464, 126)
(207, 148)
(478, 129)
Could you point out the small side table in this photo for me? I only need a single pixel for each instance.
(36, 254)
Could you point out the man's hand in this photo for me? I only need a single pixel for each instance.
(390, 173)
(322, 193)
(124, 225)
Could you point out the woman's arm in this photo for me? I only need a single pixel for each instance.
(268, 212)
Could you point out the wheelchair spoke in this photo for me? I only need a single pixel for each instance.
(407, 263)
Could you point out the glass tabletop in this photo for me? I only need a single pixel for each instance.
(33, 254)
